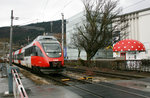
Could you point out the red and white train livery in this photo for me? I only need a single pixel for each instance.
(44, 54)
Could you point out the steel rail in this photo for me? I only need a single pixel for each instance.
(107, 74)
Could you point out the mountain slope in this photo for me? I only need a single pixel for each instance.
(21, 33)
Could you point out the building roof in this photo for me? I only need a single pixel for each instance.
(141, 10)
(128, 45)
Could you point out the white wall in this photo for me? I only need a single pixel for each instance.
(144, 31)
(72, 23)
(139, 29)
(130, 55)
(73, 54)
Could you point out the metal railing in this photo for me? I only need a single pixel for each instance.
(18, 89)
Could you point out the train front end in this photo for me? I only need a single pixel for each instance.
(52, 58)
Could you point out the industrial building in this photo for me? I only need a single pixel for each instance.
(72, 51)
(138, 29)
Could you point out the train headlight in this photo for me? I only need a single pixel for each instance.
(60, 54)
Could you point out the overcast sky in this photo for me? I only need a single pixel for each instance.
(32, 11)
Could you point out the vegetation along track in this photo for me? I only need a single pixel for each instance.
(105, 74)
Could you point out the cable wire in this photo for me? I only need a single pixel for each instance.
(68, 3)
(62, 8)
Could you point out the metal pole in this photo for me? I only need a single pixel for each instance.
(11, 31)
(9, 70)
(10, 77)
(62, 30)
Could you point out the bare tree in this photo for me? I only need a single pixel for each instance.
(101, 20)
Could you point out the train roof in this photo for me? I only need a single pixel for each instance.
(50, 38)
(43, 39)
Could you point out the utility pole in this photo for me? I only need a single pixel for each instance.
(11, 31)
(62, 30)
(10, 67)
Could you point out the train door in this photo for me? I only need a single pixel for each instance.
(16, 57)
(27, 57)
(28, 61)
(23, 58)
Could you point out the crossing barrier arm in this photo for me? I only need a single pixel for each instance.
(18, 89)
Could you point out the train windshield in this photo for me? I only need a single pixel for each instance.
(52, 49)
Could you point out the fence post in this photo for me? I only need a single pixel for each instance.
(10, 78)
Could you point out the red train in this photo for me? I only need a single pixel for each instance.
(44, 54)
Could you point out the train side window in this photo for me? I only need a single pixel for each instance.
(27, 52)
(21, 56)
(34, 51)
(18, 56)
(39, 52)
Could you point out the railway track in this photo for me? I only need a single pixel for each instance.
(106, 74)
(65, 80)
(60, 79)
(96, 90)
(92, 88)
(108, 90)
(73, 83)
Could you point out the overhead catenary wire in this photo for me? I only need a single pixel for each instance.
(58, 12)
(61, 9)
(29, 22)
(44, 8)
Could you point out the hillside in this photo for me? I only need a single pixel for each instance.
(21, 33)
